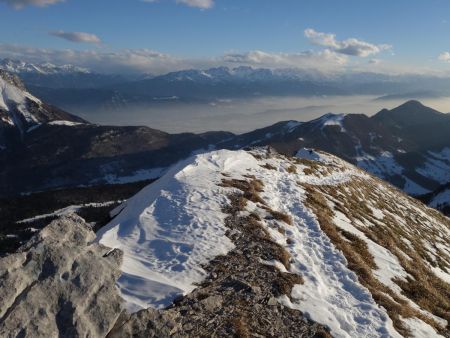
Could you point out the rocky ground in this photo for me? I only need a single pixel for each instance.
(60, 284)
(239, 298)
(60, 274)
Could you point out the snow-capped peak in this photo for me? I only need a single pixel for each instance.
(20, 67)
(14, 100)
(22, 110)
(331, 119)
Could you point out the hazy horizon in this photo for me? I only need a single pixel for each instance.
(243, 115)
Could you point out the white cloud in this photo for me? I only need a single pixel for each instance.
(203, 4)
(148, 61)
(444, 56)
(350, 46)
(121, 61)
(144, 60)
(324, 60)
(77, 36)
(18, 4)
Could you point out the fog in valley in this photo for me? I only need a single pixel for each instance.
(242, 115)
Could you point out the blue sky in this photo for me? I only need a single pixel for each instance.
(408, 35)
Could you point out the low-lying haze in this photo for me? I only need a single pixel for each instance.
(241, 115)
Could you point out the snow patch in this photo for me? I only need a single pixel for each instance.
(419, 329)
(441, 199)
(173, 227)
(64, 123)
(140, 175)
(332, 120)
(67, 210)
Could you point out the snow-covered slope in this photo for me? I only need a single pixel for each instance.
(14, 100)
(21, 110)
(352, 238)
(441, 199)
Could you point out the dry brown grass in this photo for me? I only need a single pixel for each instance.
(281, 230)
(292, 169)
(311, 166)
(284, 257)
(257, 156)
(250, 191)
(428, 291)
(308, 171)
(424, 288)
(278, 215)
(240, 326)
(250, 188)
(268, 166)
(284, 284)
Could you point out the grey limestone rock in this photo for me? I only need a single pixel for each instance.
(60, 284)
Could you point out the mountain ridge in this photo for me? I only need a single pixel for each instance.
(294, 202)
(388, 145)
(255, 241)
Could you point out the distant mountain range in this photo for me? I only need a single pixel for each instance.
(52, 77)
(75, 88)
(43, 147)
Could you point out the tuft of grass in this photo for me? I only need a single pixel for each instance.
(240, 327)
(268, 166)
(284, 284)
(283, 256)
(292, 169)
(281, 230)
(278, 215)
(250, 189)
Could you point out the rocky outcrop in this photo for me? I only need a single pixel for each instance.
(60, 284)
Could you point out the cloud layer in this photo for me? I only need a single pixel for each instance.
(325, 60)
(203, 4)
(77, 36)
(353, 47)
(121, 61)
(144, 60)
(136, 61)
(444, 56)
(18, 4)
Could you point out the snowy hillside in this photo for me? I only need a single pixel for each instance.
(21, 110)
(363, 259)
(407, 146)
